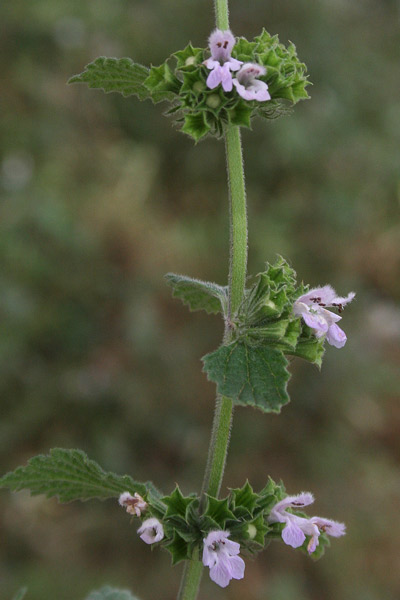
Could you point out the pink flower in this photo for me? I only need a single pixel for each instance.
(296, 528)
(247, 84)
(221, 555)
(312, 308)
(135, 505)
(151, 531)
(221, 62)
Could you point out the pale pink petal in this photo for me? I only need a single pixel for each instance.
(343, 300)
(232, 547)
(234, 64)
(330, 527)
(221, 44)
(220, 573)
(315, 321)
(226, 78)
(237, 566)
(292, 535)
(151, 531)
(313, 543)
(323, 294)
(214, 77)
(211, 63)
(336, 336)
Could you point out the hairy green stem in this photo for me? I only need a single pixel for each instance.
(221, 14)
(218, 448)
(237, 192)
(237, 277)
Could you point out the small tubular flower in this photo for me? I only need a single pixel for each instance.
(151, 531)
(135, 505)
(221, 555)
(296, 528)
(247, 84)
(221, 62)
(312, 308)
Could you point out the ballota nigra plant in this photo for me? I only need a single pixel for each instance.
(213, 92)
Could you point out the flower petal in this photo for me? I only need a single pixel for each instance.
(292, 535)
(214, 77)
(237, 566)
(330, 527)
(336, 336)
(220, 573)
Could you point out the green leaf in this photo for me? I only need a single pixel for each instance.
(197, 294)
(20, 594)
(115, 75)
(240, 115)
(250, 375)
(108, 593)
(177, 503)
(196, 125)
(162, 83)
(69, 475)
(257, 530)
(218, 511)
(244, 497)
(189, 57)
(178, 548)
(311, 349)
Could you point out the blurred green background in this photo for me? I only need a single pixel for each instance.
(100, 197)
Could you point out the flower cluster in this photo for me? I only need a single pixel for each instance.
(221, 64)
(297, 528)
(312, 308)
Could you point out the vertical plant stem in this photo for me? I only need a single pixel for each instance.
(237, 277)
(218, 448)
(221, 14)
(238, 214)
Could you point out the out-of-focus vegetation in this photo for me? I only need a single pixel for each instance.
(100, 197)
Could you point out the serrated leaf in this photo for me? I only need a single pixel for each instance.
(250, 375)
(189, 57)
(115, 75)
(108, 593)
(311, 349)
(177, 504)
(196, 126)
(178, 548)
(69, 475)
(257, 530)
(197, 294)
(245, 497)
(273, 110)
(162, 83)
(20, 594)
(218, 511)
(241, 115)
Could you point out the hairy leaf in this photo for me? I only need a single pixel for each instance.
(197, 294)
(250, 375)
(70, 475)
(20, 594)
(115, 75)
(108, 593)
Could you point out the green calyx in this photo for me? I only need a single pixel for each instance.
(181, 81)
(243, 513)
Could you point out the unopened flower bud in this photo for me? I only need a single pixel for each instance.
(252, 531)
(213, 101)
